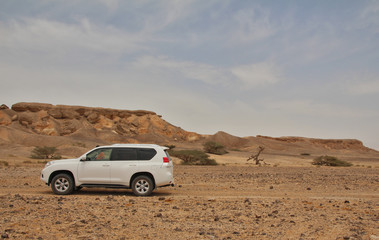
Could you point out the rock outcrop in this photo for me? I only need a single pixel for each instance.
(111, 125)
(68, 127)
(335, 144)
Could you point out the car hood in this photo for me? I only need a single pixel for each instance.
(63, 161)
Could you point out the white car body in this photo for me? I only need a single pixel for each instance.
(115, 172)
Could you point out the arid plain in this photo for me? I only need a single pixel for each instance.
(285, 198)
(230, 201)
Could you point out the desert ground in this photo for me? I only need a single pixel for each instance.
(288, 199)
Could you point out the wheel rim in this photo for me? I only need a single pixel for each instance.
(142, 186)
(62, 184)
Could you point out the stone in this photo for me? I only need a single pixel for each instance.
(4, 235)
(3, 106)
(14, 117)
(55, 113)
(69, 114)
(5, 119)
(93, 117)
(32, 107)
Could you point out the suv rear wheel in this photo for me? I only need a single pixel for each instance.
(62, 184)
(142, 186)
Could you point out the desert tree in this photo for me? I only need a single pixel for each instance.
(255, 157)
(45, 152)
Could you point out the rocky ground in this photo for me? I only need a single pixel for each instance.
(218, 202)
(286, 198)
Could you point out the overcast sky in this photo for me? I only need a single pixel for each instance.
(276, 68)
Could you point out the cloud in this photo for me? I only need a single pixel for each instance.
(215, 64)
(360, 82)
(180, 70)
(110, 4)
(365, 88)
(245, 76)
(252, 24)
(157, 17)
(82, 46)
(55, 41)
(257, 74)
(316, 109)
(369, 17)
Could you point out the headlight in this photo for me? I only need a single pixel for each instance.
(49, 163)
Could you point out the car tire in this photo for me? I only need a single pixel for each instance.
(142, 186)
(62, 184)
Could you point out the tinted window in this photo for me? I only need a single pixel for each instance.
(124, 154)
(132, 154)
(146, 153)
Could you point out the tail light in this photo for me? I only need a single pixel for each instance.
(166, 160)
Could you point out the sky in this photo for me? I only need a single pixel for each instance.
(275, 68)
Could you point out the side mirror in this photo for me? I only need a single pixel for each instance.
(83, 158)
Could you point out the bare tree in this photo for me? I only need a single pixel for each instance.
(256, 158)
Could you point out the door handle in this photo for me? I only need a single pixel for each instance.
(106, 165)
(132, 165)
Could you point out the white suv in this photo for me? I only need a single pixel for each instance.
(141, 167)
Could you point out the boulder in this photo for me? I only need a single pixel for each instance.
(15, 117)
(7, 116)
(3, 106)
(121, 130)
(32, 107)
(5, 119)
(27, 118)
(46, 127)
(55, 113)
(69, 114)
(93, 117)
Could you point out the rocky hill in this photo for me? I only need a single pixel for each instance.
(71, 128)
(39, 124)
(107, 124)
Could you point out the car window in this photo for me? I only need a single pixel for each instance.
(125, 154)
(146, 153)
(133, 154)
(102, 154)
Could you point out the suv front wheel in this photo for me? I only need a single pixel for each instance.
(142, 186)
(62, 184)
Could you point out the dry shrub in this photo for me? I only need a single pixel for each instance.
(193, 157)
(214, 148)
(330, 161)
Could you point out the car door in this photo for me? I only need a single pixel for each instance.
(96, 169)
(124, 164)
